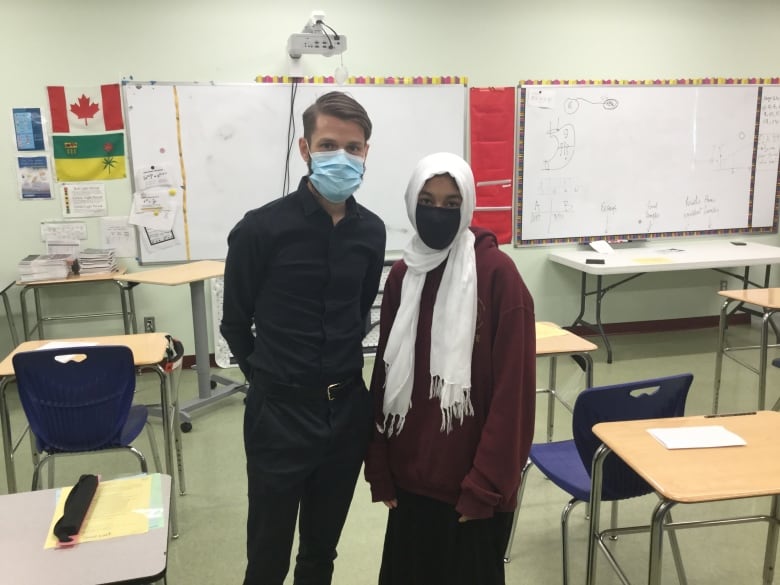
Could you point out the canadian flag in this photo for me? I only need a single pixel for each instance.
(86, 109)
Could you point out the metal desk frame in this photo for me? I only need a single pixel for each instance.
(142, 345)
(125, 295)
(716, 256)
(689, 476)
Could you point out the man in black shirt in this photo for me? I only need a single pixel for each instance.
(304, 270)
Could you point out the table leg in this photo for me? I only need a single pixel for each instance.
(600, 292)
(206, 395)
(588, 369)
(771, 541)
(25, 319)
(552, 392)
(5, 429)
(9, 315)
(38, 313)
(594, 509)
(657, 541)
(198, 301)
(167, 424)
(583, 295)
(551, 398)
(765, 321)
(719, 353)
(128, 306)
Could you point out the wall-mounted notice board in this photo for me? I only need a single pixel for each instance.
(226, 146)
(633, 160)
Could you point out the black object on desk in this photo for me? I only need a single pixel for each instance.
(594, 261)
(76, 508)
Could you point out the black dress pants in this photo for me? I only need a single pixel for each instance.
(304, 453)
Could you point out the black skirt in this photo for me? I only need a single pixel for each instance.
(426, 545)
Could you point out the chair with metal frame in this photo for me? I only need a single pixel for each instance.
(79, 400)
(568, 463)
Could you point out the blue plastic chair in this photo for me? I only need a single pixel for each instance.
(79, 400)
(568, 463)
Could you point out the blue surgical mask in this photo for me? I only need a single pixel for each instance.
(336, 174)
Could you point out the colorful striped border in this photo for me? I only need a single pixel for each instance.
(363, 80)
(519, 242)
(688, 81)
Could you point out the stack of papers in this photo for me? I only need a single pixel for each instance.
(97, 260)
(44, 267)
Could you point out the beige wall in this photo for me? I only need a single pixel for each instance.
(492, 42)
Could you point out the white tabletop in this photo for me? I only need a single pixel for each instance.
(665, 257)
(23, 560)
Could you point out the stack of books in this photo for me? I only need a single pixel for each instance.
(44, 267)
(97, 260)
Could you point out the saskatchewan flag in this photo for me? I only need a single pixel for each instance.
(89, 157)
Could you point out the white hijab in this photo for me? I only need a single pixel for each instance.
(454, 312)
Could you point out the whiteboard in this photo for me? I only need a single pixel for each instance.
(604, 161)
(227, 146)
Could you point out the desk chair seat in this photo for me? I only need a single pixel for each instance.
(567, 463)
(79, 400)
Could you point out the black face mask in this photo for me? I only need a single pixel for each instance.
(437, 226)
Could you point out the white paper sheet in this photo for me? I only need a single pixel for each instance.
(696, 437)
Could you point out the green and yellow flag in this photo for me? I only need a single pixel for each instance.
(89, 157)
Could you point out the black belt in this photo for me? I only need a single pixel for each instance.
(331, 391)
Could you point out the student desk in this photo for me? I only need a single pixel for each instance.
(636, 261)
(127, 312)
(139, 558)
(194, 274)
(768, 299)
(552, 341)
(148, 351)
(692, 476)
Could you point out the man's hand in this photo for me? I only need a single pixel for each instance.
(392, 504)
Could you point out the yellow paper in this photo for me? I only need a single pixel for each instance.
(120, 508)
(652, 260)
(544, 330)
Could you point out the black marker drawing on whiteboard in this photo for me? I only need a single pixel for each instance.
(651, 214)
(571, 105)
(722, 159)
(608, 209)
(563, 150)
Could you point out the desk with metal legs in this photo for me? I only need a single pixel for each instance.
(148, 352)
(637, 260)
(768, 300)
(691, 476)
(127, 312)
(553, 341)
(27, 516)
(194, 274)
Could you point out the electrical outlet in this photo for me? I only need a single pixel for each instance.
(149, 325)
(724, 285)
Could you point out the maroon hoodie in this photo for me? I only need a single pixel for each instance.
(476, 467)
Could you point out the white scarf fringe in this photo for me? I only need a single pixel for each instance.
(454, 311)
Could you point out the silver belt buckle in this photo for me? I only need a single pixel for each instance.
(331, 388)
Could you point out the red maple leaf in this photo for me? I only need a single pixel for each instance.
(85, 108)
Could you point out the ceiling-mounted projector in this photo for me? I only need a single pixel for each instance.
(315, 40)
